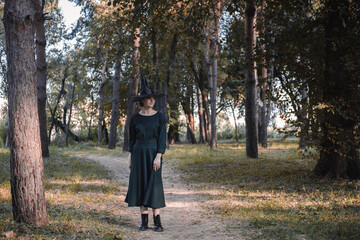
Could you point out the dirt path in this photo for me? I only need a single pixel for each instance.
(184, 216)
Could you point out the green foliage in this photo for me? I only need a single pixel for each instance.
(274, 195)
(5, 167)
(295, 41)
(3, 132)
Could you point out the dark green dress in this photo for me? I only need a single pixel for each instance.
(146, 139)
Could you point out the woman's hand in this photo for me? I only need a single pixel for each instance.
(129, 160)
(157, 162)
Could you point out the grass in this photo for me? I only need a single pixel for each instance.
(273, 197)
(275, 194)
(87, 148)
(83, 201)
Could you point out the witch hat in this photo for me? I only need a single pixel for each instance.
(145, 91)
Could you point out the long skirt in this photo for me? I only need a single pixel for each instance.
(145, 184)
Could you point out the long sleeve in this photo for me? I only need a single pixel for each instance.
(161, 144)
(132, 134)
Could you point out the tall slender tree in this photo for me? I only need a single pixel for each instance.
(202, 128)
(263, 123)
(214, 69)
(251, 119)
(165, 86)
(133, 89)
(187, 103)
(101, 98)
(304, 98)
(116, 98)
(41, 76)
(27, 178)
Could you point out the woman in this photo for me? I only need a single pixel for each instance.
(147, 143)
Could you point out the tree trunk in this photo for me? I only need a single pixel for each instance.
(303, 119)
(263, 123)
(70, 109)
(41, 78)
(165, 85)
(65, 109)
(235, 122)
(189, 114)
(115, 104)
(89, 129)
(304, 109)
(202, 138)
(214, 75)
(251, 120)
(206, 115)
(101, 99)
(208, 77)
(155, 49)
(338, 155)
(61, 93)
(26, 165)
(133, 90)
(105, 131)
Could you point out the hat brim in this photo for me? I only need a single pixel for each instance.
(154, 95)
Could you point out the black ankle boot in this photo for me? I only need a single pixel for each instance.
(144, 222)
(157, 224)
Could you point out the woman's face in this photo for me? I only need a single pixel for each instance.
(148, 102)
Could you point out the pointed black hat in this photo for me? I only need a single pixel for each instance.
(145, 91)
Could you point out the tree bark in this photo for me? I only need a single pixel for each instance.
(208, 77)
(133, 89)
(65, 109)
(88, 137)
(207, 118)
(70, 113)
(156, 64)
(202, 138)
(338, 154)
(189, 114)
(101, 99)
(214, 75)
(41, 77)
(26, 165)
(115, 103)
(105, 131)
(165, 85)
(251, 119)
(235, 123)
(303, 119)
(263, 76)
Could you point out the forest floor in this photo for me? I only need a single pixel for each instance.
(85, 192)
(185, 215)
(218, 194)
